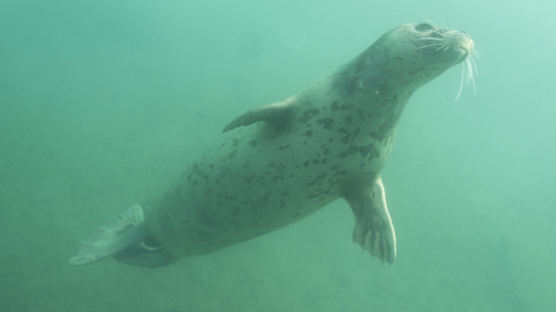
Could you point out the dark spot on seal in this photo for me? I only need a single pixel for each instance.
(325, 150)
(200, 172)
(365, 151)
(261, 180)
(369, 150)
(235, 212)
(351, 150)
(253, 143)
(393, 98)
(337, 106)
(279, 167)
(375, 135)
(326, 123)
(307, 114)
(348, 119)
(380, 133)
(361, 114)
(306, 163)
(334, 106)
(235, 142)
(283, 147)
(349, 136)
(315, 161)
(308, 133)
(317, 179)
(341, 172)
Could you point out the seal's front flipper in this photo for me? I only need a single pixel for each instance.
(277, 114)
(374, 230)
(122, 232)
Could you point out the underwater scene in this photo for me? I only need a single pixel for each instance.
(277, 155)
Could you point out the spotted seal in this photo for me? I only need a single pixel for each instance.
(280, 163)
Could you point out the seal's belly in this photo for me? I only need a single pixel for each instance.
(252, 184)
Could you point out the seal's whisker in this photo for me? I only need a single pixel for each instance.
(431, 39)
(468, 73)
(439, 46)
(471, 73)
(460, 82)
(444, 47)
(474, 63)
(430, 45)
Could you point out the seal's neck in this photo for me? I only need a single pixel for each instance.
(372, 83)
(372, 93)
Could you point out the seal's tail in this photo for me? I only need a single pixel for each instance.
(122, 232)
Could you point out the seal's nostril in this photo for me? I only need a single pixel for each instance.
(424, 27)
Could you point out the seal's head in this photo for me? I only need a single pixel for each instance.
(407, 57)
(428, 42)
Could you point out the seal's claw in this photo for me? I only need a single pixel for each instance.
(377, 238)
(374, 230)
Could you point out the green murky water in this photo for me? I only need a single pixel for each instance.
(103, 103)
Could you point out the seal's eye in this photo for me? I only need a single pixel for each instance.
(424, 27)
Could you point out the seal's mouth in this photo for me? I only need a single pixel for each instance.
(463, 43)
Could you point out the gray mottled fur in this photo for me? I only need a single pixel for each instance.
(281, 163)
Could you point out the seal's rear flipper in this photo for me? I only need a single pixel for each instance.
(374, 230)
(122, 232)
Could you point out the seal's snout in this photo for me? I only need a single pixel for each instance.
(462, 44)
(466, 43)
